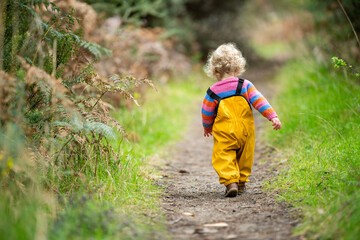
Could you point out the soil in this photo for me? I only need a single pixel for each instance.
(193, 196)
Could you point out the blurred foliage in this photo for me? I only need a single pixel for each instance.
(170, 14)
(319, 29)
(334, 32)
(216, 22)
(86, 219)
(55, 118)
(202, 25)
(55, 128)
(29, 35)
(198, 25)
(131, 10)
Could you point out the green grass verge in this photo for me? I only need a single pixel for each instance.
(163, 117)
(124, 199)
(320, 112)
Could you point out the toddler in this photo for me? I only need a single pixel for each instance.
(227, 115)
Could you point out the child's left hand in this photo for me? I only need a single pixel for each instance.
(276, 123)
(207, 134)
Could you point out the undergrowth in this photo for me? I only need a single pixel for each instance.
(129, 188)
(162, 118)
(63, 172)
(320, 108)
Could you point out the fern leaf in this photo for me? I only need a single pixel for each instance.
(62, 124)
(100, 128)
(95, 49)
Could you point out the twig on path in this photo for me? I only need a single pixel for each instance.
(220, 210)
(175, 221)
(246, 206)
(168, 209)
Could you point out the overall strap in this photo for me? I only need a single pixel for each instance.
(213, 95)
(239, 87)
(238, 90)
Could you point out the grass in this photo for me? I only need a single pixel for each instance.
(163, 117)
(123, 197)
(122, 200)
(320, 108)
(127, 187)
(158, 123)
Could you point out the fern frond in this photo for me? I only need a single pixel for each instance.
(100, 128)
(95, 49)
(45, 3)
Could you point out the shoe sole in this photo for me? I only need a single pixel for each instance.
(232, 193)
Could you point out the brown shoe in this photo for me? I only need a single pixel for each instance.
(241, 187)
(231, 190)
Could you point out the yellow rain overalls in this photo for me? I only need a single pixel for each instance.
(234, 138)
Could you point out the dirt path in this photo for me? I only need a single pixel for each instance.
(192, 186)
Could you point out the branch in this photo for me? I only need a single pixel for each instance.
(102, 94)
(347, 17)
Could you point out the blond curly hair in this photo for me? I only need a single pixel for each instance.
(226, 59)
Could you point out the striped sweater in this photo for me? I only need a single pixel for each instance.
(227, 88)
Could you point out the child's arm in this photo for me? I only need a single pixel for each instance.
(259, 102)
(208, 114)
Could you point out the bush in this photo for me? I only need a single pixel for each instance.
(55, 129)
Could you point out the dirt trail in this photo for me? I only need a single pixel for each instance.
(192, 186)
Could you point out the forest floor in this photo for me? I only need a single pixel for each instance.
(194, 199)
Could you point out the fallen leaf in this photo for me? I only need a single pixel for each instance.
(231, 236)
(188, 214)
(220, 224)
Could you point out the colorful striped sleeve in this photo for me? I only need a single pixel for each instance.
(208, 113)
(257, 100)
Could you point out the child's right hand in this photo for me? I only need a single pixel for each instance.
(207, 134)
(276, 123)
